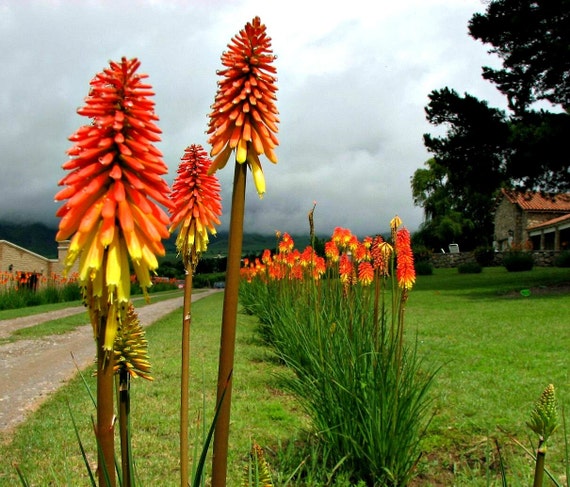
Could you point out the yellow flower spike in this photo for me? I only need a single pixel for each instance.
(113, 270)
(133, 246)
(97, 279)
(220, 160)
(257, 172)
(149, 258)
(111, 328)
(124, 288)
(241, 153)
(85, 256)
(142, 273)
(131, 347)
(395, 223)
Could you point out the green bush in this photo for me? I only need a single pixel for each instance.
(208, 280)
(424, 268)
(485, 256)
(71, 292)
(469, 268)
(421, 254)
(364, 390)
(518, 261)
(563, 259)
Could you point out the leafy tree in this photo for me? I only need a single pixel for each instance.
(458, 186)
(485, 148)
(532, 39)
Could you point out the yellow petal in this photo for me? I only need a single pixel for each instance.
(111, 328)
(257, 172)
(241, 153)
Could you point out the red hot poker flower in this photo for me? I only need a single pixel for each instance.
(244, 114)
(405, 272)
(196, 204)
(115, 176)
(365, 273)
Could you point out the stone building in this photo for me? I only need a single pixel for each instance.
(531, 220)
(15, 259)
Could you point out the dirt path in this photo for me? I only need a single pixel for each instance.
(32, 369)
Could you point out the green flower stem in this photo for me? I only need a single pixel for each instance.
(539, 467)
(124, 422)
(228, 336)
(185, 377)
(105, 409)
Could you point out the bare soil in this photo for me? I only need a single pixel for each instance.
(32, 369)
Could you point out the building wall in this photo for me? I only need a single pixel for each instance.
(542, 258)
(511, 223)
(508, 225)
(17, 259)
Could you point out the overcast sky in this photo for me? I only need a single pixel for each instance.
(353, 79)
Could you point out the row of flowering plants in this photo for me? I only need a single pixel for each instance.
(22, 289)
(338, 321)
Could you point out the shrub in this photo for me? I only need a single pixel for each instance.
(421, 254)
(518, 261)
(424, 268)
(485, 256)
(71, 292)
(363, 387)
(563, 259)
(469, 268)
(208, 280)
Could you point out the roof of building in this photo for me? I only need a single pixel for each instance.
(533, 201)
(22, 249)
(550, 223)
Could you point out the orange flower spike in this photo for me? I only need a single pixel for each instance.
(361, 252)
(244, 114)
(114, 172)
(196, 204)
(405, 272)
(319, 268)
(331, 251)
(345, 269)
(365, 273)
(266, 256)
(286, 244)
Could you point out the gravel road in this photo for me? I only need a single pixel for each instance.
(32, 369)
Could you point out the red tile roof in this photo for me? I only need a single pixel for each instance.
(531, 201)
(550, 223)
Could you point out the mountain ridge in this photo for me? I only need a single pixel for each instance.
(40, 239)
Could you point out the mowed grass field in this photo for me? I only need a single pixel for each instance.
(497, 348)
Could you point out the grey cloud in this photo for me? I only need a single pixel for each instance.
(351, 99)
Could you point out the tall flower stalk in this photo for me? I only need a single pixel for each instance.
(243, 121)
(111, 214)
(196, 207)
(543, 422)
(131, 360)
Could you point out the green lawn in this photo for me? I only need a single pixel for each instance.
(498, 350)
(45, 446)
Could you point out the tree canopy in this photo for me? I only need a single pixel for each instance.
(485, 148)
(532, 39)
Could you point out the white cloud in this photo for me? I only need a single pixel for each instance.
(353, 82)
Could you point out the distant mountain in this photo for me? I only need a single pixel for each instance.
(37, 237)
(40, 238)
(253, 243)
